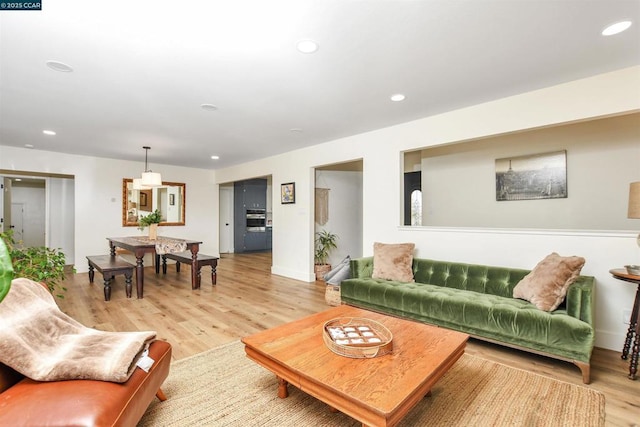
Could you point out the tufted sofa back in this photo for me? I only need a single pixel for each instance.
(479, 278)
(470, 277)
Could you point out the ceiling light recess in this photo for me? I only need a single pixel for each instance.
(616, 28)
(208, 107)
(397, 97)
(49, 132)
(215, 157)
(59, 66)
(307, 46)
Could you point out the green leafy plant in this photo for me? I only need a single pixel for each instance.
(154, 217)
(6, 270)
(325, 242)
(37, 263)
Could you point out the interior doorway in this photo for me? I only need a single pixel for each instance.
(17, 221)
(338, 207)
(28, 210)
(226, 219)
(40, 208)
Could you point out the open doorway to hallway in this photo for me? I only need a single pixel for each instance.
(39, 208)
(338, 207)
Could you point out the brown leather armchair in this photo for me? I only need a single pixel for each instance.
(24, 402)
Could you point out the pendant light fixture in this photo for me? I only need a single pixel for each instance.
(149, 178)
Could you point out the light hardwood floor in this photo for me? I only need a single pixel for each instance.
(248, 299)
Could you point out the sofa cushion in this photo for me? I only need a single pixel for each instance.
(546, 286)
(393, 261)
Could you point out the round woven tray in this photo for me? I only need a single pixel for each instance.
(357, 337)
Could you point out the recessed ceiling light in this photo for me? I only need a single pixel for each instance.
(295, 130)
(208, 107)
(17, 179)
(48, 132)
(215, 157)
(59, 66)
(307, 46)
(397, 97)
(28, 145)
(616, 28)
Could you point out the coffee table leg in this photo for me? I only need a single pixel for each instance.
(283, 392)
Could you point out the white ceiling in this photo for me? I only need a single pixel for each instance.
(143, 68)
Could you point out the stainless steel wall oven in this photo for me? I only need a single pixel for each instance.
(256, 220)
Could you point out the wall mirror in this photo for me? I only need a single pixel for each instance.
(169, 199)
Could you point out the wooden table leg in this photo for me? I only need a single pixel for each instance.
(633, 364)
(195, 271)
(283, 392)
(633, 331)
(140, 273)
(107, 286)
(127, 284)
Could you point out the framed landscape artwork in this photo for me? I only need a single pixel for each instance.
(288, 193)
(536, 176)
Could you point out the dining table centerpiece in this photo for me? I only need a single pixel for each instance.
(152, 220)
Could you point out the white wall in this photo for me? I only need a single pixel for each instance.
(61, 226)
(345, 212)
(599, 96)
(98, 198)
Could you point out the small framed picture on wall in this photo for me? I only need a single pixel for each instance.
(288, 193)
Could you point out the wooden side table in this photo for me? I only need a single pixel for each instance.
(634, 325)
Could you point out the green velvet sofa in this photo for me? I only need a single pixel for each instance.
(478, 300)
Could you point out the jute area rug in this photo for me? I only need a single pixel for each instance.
(221, 387)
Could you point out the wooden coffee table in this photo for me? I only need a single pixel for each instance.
(377, 392)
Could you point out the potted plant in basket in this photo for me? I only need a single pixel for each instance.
(325, 242)
(38, 263)
(152, 220)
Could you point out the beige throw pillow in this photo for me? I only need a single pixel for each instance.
(393, 261)
(546, 285)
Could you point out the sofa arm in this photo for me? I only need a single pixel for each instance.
(581, 299)
(362, 268)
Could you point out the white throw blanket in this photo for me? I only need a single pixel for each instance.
(44, 344)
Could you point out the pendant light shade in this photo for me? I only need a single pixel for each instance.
(137, 184)
(151, 179)
(148, 178)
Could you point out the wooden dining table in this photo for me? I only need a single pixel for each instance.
(140, 245)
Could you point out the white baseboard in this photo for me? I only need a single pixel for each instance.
(293, 274)
(610, 340)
